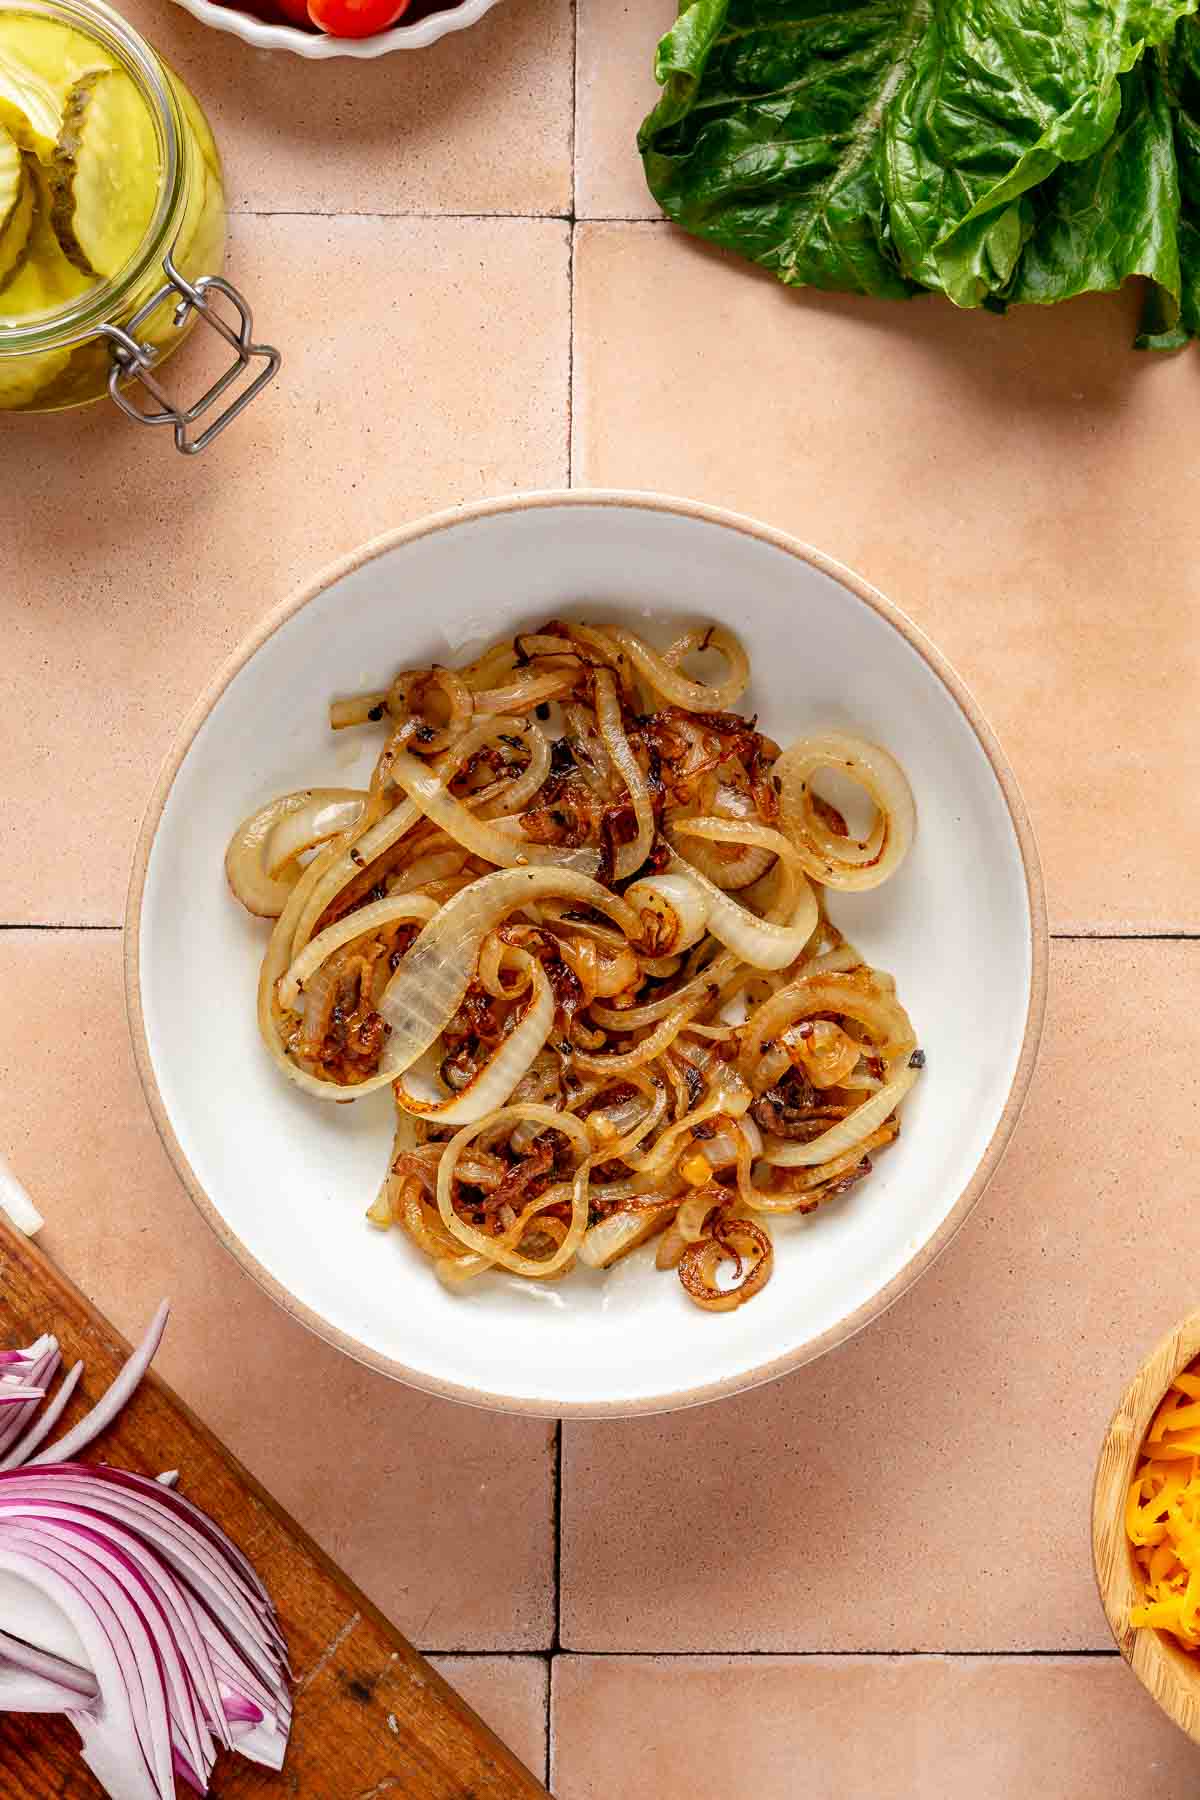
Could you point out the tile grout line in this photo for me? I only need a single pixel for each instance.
(308, 212)
(555, 1649)
(522, 218)
(552, 1657)
(30, 925)
(571, 354)
(1124, 937)
(549, 1657)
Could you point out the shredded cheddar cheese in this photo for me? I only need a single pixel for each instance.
(1162, 1515)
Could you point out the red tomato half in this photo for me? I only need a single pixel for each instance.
(355, 18)
(294, 11)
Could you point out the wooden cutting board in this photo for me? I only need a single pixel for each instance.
(372, 1718)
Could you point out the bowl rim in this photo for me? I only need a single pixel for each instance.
(1168, 1672)
(262, 34)
(917, 1264)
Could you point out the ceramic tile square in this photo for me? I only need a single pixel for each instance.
(393, 1484)
(925, 1487)
(989, 474)
(510, 1693)
(131, 572)
(615, 89)
(852, 1728)
(478, 123)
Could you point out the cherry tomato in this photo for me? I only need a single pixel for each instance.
(294, 11)
(355, 18)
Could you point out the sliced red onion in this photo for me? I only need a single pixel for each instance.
(185, 1651)
(69, 1676)
(109, 1729)
(21, 1691)
(40, 1430)
(106, 1410)
(38, 1376)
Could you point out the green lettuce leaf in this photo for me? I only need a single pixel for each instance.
(766, 139)
(1162, 330)
(1116, 214)
(1002, 93)
(997, 151)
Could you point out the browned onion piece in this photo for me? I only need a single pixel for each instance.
(615, 1063)
(662, 674)
(732, 1239)
(264, 887)
(491, 1086)
(834, 860)
(631, 856)
(429, 792)
(850, 996)
(847, 1132)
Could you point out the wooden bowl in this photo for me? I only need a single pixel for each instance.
(1167, 1671)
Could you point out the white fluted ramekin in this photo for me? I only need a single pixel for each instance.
(317, 44)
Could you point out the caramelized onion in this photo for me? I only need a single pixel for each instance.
(761, 942)
(257, 874)
(662, 674)
(727, 1094)
(333, 811)
(397, 909)
(800, 1194)
(673, 910)
(848, 996)
(739, 1239)
(491, 1086)
(357, 710)
(480, 838)
(428, 987)
(848, 1132)
(617, 1063)
(610, 1239)
(837, 861)
(364, 847)
(536, 1000)
(629, 857)
(499, 1250)
(524, 696)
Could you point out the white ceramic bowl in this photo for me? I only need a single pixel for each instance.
(284, 1180)
(317, 45)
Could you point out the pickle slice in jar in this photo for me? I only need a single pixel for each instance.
(39, 61)
(42, 283)
(44, 280)
(17, 199)
(24, 379)
(12, 180)
(104, 176)
(30, 110)
(50, 53)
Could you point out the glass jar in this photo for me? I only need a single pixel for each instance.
(68, 334)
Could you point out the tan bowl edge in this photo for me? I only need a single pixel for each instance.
(1039, 952)
(1168, 1672)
